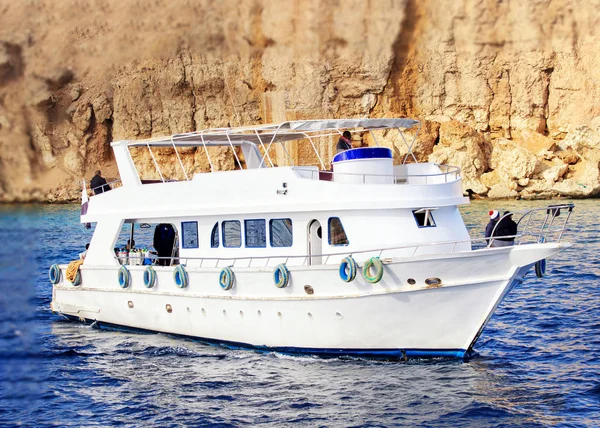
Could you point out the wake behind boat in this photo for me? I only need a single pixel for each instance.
(349, 255)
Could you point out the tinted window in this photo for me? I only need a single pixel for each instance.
(281, 232)
(232, 236)
(214, 236)
(256, 233)
(337, 235)
(189, 232)
(424, 218)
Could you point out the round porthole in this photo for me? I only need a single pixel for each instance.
(203, 312)
(310, 316)
(309, 290)
(169, 308)
(242, 314)
(411, 281)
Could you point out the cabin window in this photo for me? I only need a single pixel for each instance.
(424, 217)
(214, 236)
(337, 235)
(256, 233)
(189, 234)
(232, 233)
(281, 232)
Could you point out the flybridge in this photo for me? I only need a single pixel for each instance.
(257, 142)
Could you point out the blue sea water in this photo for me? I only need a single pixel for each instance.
(537, 362)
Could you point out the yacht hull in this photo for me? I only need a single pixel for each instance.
(393, 318)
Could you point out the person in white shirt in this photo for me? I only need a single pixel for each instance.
(82, 255)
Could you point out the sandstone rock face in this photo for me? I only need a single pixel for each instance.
(503, 88)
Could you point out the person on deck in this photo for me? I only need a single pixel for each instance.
(494, 216)
(345, 142)
(130, 245)
(507, 228)
(98, 183)
(84, 253)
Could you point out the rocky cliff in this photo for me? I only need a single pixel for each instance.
(506, 90)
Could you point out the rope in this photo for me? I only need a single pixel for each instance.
(72, 270)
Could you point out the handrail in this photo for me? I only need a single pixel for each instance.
(451, 170)
(525, 237)
(552, 212)
(111, 184)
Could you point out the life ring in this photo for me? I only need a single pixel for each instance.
(124, 277)
(180, 276)
(77, 280)
(378, 265)
(281, 276)
(149, 277)
(226, 278)
(540, 268)
(54, 274)
(350, 265)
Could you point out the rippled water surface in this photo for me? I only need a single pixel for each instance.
(538, 361)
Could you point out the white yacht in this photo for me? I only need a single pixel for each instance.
(348, 255)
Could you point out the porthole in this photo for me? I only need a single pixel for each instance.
(224, 312)
(310, 316)
(411, 281)
(169, 308)
(338, 315)
(259, 312)
(279, 314)
(189, 311)
(309, 290)
(203, 312)
(433, 282)
(242, 314)
(130, 304)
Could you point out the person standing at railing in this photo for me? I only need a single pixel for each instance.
(507, 229)
(98, 183)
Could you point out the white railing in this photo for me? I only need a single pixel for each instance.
(547, 233)
(448, 174)
(111, 185)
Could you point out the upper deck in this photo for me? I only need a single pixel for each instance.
(309, 146)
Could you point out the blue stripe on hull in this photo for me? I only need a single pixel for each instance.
(321, 352)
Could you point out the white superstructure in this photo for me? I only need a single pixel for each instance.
(252, 257)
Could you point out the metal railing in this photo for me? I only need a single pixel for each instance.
(547, 233)
(111, 185)
(547, 230)
(449, 173)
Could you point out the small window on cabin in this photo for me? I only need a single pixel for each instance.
(256, 233)
(189, 234)
(424, 217)
(214, 236)
(232, 233)
(337, 235)
(281, 232)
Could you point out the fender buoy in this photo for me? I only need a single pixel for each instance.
(124, 277)
(281, 276)
(375, 263)
(149, 277)
(54, 274)
(540, 268)
(348, 268)
(180, 276)
(77, 280)
(226, 278)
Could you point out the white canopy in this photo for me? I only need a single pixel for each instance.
(265, 134)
